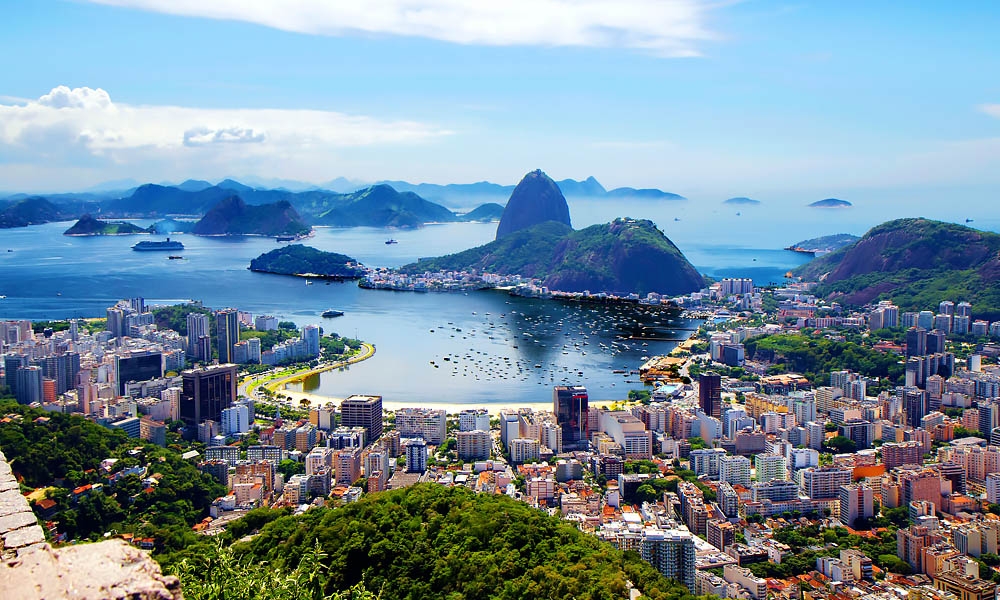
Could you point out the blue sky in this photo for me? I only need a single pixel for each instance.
(725, 98)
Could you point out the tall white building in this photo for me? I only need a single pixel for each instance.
(705, 461)
(416, 455)
(856, 501)
(474, 419)
(735, 470)
(770, 467)
(235, 419)
(428, 423)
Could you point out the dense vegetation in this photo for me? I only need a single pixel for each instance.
(30, 211)
(916, 263)
(809, 543)
(88, 225)
(623, 256)
(827, 243)
(491, 211)
(233, 216)
(815, 358)
(430, 541)
(65, 451)
(297, 259)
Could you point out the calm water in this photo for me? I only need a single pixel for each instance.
(49, 275)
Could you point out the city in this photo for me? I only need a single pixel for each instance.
(715, 474)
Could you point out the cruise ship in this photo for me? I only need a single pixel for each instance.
(150, 246)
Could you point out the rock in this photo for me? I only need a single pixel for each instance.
(535, 200)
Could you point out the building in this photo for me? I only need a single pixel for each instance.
(347, 465)
(756, 586)
(206, 392)
(671, 552)
(710, 394)
(523, 450)
(153, 431)
(416, 455)
(428, 423)
(310, 333)
(139, 366)
(770, 467)
(571, 405)
(719, 533)
(28, 388)
(705, 461)
(235, 419)
(735, 470)
(227, 325)
(902, 453)
(197, 328)
(363, 411)
(474, 419)
(856, 502)
(965, 587)
(473, 445)
(820, 483)
(993, 488)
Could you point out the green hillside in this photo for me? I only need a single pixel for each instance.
(297, 259)
(916, 263)
(431, 542)
(624, 256)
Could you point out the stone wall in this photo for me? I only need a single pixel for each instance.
(31, 569)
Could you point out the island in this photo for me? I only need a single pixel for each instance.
(823, 245)
(233, 216)
(831, 203)
(383, 206)
(29, 211)
(305, 261)
(88, 226)
(742, 201)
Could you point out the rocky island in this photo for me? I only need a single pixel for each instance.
(742, 201)
(305, 261)
(88, 225)
(823, 245)
(831, 203)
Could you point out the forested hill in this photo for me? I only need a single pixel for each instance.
(916, 263)
(433, 542)
(624, 256)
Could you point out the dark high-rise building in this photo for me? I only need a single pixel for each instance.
(228, 324)
(916, 341)
(138, 367)
(363, 411)
(935, 341)
(29, 385)
(914, 405)
(710, 394)
(11, 363)
(571, 406)
(207, 392)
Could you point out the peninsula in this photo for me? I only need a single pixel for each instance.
(88, 225)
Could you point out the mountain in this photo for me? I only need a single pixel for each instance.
(916, 263)
(152, 200)
(382, 206)
(490, 211)
(831, 203)
(232, 216)
(624, 256)
(193, 185)
(236, 186)
(536, 199)
(30, 211)
(587, 187)
(88, 225)
(643, 194)
(742, 200)
(297, 259)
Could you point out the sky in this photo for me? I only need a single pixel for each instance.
(720, 98)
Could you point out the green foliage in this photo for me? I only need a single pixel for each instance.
(697, 443)
(175, 317)
(840, 444)
(287, 325)
(88, 225)
(431, 542)
(68, 449)
(625, 255)
(816, 358)
(289, 467)
(297, 259)
(218, 574)
(269, 339)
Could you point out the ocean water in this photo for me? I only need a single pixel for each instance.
(509, 350)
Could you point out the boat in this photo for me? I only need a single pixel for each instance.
(390, 241)
(175, 257)
(330, 313)
(151, 246)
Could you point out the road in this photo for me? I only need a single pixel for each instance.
(250, 384)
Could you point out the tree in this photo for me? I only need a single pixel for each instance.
(289, 467)
(841, 444)
(287, 325)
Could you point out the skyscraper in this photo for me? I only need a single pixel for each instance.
(197, 326)
(672, 553)
(363, 411)
(310, 333)
(710, 394)
(29, 385)
(571, 406)
(916, 341)
(228, 324)
(207, 392)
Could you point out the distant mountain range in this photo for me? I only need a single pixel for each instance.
(233, 216)
(346, 204)
(917, 263)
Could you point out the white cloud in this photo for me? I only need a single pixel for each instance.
(661, 27)
(86, 122)
(992, 110)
